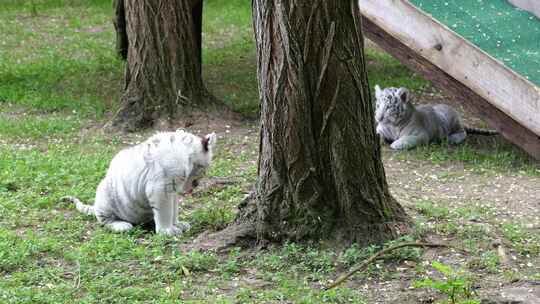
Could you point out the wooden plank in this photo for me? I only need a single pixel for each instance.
(487, 77)
(497, 119)
(532, 6)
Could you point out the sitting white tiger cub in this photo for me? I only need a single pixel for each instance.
(405, 126)
(142, 182)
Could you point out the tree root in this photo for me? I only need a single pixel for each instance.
(374, 257)
(221, 240)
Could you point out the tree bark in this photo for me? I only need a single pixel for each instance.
(119, 22)
(196, 13)
(320, 170)
(163, 71)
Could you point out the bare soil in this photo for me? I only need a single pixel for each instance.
(507, 196)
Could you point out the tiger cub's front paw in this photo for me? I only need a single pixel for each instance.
(397, 145)
(183, 226)
(172, 231)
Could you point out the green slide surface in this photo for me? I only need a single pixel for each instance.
(507, 33)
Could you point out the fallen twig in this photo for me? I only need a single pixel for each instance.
(379, 253)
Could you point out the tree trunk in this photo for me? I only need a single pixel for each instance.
(163, 71)
(196, 13)
(119, 22)
(320, 169)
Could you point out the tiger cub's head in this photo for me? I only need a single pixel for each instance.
(200, 159)
(392, 105)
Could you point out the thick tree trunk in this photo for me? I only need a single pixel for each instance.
(163, 71)
(119, 22)
(320, 169)
(196, 13)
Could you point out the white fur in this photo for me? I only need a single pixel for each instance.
(142, 182)
(406, 126)
(378, 91)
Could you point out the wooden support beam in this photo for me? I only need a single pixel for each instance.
(497, 119)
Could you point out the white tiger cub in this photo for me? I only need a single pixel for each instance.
(142, 182)
(405, 126)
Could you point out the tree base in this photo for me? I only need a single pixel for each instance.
(131, 117)
(246, 232)
(234, 235)
(373, 233)
(245, 235)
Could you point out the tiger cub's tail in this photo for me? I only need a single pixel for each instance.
(478, 131)
(86, 209)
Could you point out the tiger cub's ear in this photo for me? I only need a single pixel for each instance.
(403, 94)
(209, 142)
(378, 91)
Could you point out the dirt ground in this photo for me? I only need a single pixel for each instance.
(509, 197)
(504, 196)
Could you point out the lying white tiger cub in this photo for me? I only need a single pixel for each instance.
(142, 182)
(405, 126)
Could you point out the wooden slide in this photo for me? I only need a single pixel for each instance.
(485, 53)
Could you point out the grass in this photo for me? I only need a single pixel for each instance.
(75, 68)
(482, 155)
(60, 78)
(456, 286)
(33, 127)
(229, 49)
(431, 210)
(386, 71)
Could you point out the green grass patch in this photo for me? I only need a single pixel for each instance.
(482, 155)
(43, 6)
(524, 241)
(432, 210)
(31, 127)
(17, 251)
(60, 60)
(386, 71)
(59, 77)
(229, 66)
